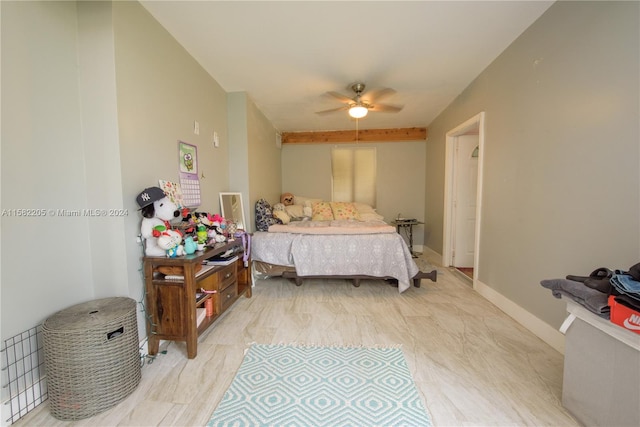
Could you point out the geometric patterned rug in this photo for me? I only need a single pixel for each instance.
(306, 385)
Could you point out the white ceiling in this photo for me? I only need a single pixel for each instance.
(287, 55)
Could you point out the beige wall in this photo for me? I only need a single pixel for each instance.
(254, 157)
(306, 171)
(98, 104)
(264, 171)
(561, 184)
(46, 259)
(161, 91)
(95, 97)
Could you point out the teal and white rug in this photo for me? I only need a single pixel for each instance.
(284, 385)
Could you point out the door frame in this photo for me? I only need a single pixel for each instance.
(475, 122)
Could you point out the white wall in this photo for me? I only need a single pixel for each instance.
(561, 184)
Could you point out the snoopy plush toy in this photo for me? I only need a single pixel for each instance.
(157, 210)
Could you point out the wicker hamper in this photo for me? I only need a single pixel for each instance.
(91, 354)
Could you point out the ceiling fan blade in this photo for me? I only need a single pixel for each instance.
(378, 94)
(340, 96)
(333, 110)
(384, 108)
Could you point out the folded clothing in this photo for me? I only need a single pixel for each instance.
(592, 299)
(634, 271)
(628, 302)
(625, 284)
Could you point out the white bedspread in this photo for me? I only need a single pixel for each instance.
(375, 254)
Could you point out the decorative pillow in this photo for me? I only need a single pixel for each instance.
(278, 207)
(321, 211)
(264, 216)
(344, 210)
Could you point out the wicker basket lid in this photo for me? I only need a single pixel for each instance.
(89, 314)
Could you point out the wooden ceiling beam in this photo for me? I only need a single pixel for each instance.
(349, 136)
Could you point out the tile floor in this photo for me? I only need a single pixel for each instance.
(473, 365)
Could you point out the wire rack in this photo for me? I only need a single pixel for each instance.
(23, 375)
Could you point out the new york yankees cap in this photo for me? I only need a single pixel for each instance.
(149, 195)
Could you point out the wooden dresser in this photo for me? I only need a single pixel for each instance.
(172, 305)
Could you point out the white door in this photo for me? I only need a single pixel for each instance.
(465, 190)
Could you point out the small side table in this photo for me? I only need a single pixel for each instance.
(407, 225)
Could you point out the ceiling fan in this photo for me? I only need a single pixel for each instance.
(361, 104)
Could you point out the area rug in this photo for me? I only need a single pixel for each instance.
(285, 385)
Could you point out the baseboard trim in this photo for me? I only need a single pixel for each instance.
(539, 328)
(432, 255)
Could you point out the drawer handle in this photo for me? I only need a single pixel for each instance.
(228, 296)
(226, 276)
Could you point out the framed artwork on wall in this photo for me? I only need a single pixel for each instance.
(188, 172)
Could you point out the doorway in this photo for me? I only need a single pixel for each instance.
(463, 195)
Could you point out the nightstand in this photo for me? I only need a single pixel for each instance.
(407, 226)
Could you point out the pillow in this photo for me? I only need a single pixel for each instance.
(367, 213)
(363, 208)
(264, 216)
(344, 210)
(321, 211)
(299, 200)
(282, 216)
(371, 216)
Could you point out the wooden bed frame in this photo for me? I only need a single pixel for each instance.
(291, 274)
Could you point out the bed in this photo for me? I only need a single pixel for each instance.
(352, 246)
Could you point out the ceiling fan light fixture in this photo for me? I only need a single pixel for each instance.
(358, 111)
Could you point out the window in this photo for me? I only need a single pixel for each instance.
(353, 175)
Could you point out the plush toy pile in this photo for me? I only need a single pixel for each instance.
(194, 232)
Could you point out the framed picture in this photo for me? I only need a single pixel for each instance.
(188, 158)
(188, 173)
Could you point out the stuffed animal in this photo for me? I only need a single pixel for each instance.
(190, 246)
(279, 212)
(157, 210)
(286, 199)
(171, 242)
(217, 231)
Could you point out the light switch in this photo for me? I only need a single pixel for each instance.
(216, 139)
(196, 127)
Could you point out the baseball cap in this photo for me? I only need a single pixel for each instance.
(149, 195)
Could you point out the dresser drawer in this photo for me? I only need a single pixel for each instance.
(227, 277)
(228, 296)
(219, 280)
